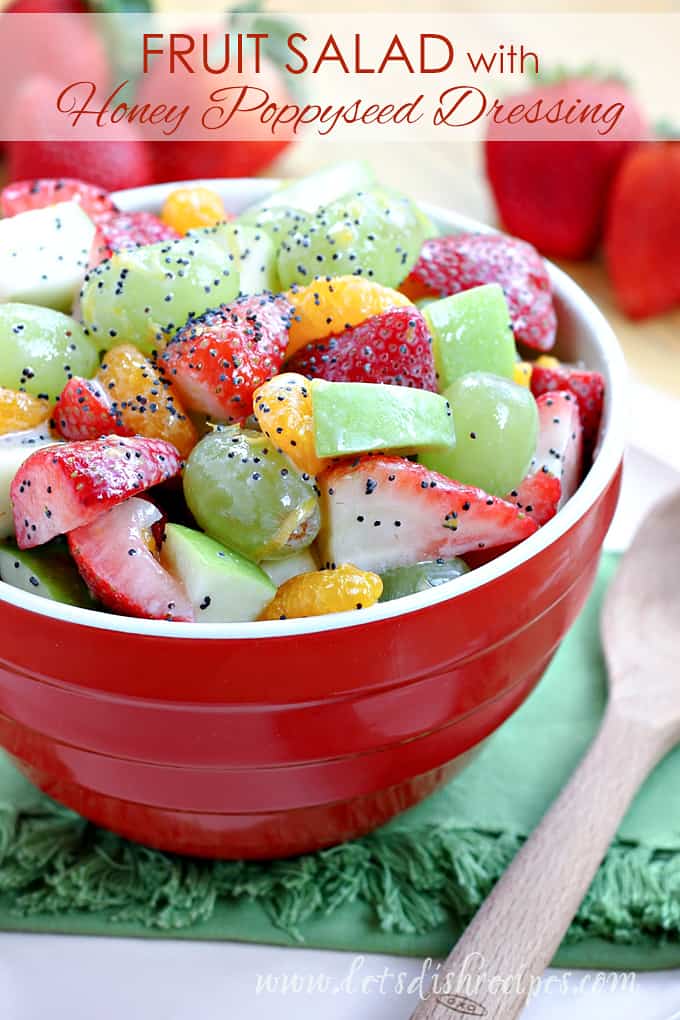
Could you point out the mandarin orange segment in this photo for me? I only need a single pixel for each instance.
(548, 361)
(415, 290)
(521, 373)
(191, 208)
(144, 399)
(283, 408)
(21, 411)
(332, 304)
(324, 591)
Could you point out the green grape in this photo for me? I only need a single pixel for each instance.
(372, 234)
(41, 349)
(496, 433)
(143, 295)
(246, 494)
(402, 581)
(277, 220)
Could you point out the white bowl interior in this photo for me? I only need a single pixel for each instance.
(584, 335)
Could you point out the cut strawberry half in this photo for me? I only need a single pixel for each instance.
(64, 487)
(394, 348)
(538, 496)
(84, 411)
(217, 361)
(587, 387)
(116, 555)
(119, 230)
(381, 512)
(560, 441)
(458, 262)
(24, 195)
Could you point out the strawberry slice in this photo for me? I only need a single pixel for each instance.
(64, 487)
(394, 347)
(381, 512)
(560, 441)
(24, 195)
(538, 496)
(587, 387)
(116, 555)
(217, 361)
(119, 230)
(84, 411)
(266, 318)
(458, 262)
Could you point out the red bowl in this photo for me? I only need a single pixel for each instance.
(269, 739)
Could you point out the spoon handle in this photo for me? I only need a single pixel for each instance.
(517, 930)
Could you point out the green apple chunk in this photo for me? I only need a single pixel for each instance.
(280, 571)
(14, 450)
(257, 255)
(496, 433)
(321, 187)
(254, 251)
(247, 495)
(44, 255)
(401, 581)
(360, 417)
(471, 332)
(41, 349)
(223, 586)
(143, 295)
(48, 572)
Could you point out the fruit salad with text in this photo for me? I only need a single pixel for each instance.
(310, 407)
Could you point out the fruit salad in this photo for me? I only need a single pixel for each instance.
(315, 405)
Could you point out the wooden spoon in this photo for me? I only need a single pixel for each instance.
(517, 931)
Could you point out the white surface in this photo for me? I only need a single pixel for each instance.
(46, 977)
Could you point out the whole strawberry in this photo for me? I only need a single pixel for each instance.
(642, 236)
(553, 192)
(191, 153)
(393, 348)
(458, 262)
(112, 163)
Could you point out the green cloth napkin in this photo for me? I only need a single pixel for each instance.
(408, 888)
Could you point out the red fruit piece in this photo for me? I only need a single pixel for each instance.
(116, 556)
(64, 487)
(587, 387)
(84, 411)
(63, 49)
(381, 512)
(119, 230)
(553, 192)
(538, 496)
(112, 163)
(394, 347)
(182, 158)
(458, 262)
(560, 441)
(642, 236)
(217, 361)
(36, 194)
